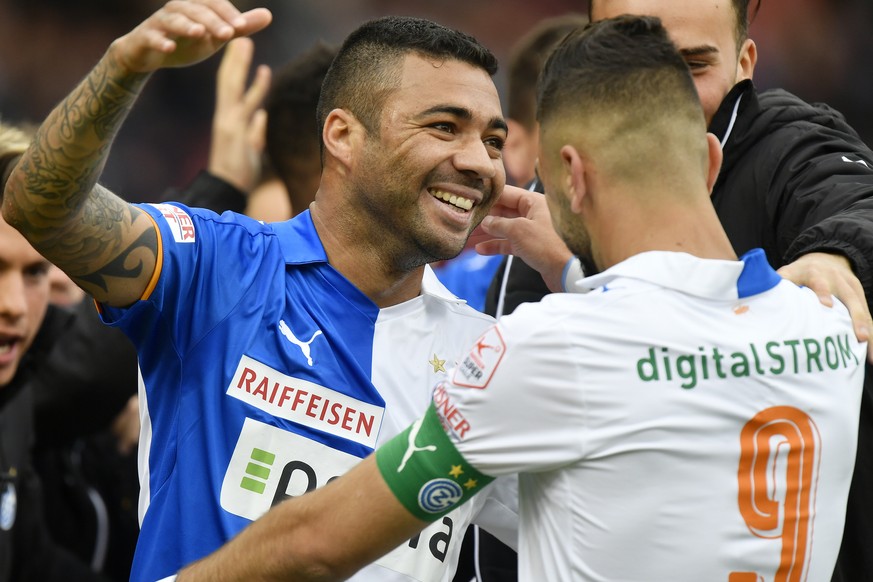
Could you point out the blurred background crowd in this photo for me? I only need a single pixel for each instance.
(822, 50)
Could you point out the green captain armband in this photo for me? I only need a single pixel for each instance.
(426, 472)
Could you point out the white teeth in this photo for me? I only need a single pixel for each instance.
(5, 348)
(453, 199)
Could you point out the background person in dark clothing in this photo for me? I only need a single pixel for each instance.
(27, 552)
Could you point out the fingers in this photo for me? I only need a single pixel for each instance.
(496, 226)
(257, 132)
(255, 20)
(513, 198)
(217, 18)
(233, 70)
(239, 124)
(830, 275)
(254, 97)
(494, 247)
(190, 19)
(184, 32)
(852, 296)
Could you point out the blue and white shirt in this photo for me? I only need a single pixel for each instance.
(265, 374)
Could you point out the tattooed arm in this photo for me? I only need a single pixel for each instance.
(106, 245)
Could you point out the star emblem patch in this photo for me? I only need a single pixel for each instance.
(438, 364)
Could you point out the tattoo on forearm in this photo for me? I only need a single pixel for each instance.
(58, 205)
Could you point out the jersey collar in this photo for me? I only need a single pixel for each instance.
(715, 279)
(299, 240)
(301, 245)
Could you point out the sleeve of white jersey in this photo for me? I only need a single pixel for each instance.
(496, 510)
(516, 402)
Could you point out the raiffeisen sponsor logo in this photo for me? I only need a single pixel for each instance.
(305, 402)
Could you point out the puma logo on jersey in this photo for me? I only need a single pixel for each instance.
(304, 346)
(411, 449)
(862, 162)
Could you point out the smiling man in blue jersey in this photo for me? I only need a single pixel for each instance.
(275, 356)
(627, 469)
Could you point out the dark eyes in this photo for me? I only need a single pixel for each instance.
(36, 271)
(697, 65)
(493, 142)
(443, 126)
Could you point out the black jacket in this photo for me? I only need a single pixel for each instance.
(797, 179)
(26, 550)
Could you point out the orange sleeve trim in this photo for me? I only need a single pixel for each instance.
(159, 264)
(159, 261)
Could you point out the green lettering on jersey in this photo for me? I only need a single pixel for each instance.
(426, 472)
(791, 356)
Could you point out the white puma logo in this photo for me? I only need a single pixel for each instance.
(304, 346)
(412, 449)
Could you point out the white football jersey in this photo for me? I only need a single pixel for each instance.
(686, 420)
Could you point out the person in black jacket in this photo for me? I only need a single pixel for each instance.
(27, 552)
(796, 180)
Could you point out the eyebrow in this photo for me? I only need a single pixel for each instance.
(463, 113)
(698, 51)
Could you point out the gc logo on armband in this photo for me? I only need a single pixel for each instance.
(426, 472)
(438, 495)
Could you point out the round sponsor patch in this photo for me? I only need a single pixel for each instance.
(437, 495)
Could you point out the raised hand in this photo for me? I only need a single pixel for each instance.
(239, 124)
(184, 32)
(520, 224)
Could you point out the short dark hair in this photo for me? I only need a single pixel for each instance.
(526, 61)
(366, 66)
(742, 18)
(619, 85)
(293, 136)
(617, 60)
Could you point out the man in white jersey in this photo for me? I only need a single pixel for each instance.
(692, 417)
(275, 356)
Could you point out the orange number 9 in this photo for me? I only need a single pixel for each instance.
(778, 474)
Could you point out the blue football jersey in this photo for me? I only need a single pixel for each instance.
(265, 374)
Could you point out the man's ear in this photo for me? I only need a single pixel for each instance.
(748, 59)
(573, 174)
(715, 159)
(341, 134)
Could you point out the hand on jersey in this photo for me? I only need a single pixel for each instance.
(830, 275)
(520, 224)
(184, 32)
(239, 124)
